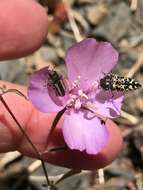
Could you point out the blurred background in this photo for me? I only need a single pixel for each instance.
(119, 22)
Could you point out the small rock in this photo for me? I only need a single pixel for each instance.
(135, 147)
(13, 71)
(96, 13)
(67, 42)
(116, 25)
(49, 54)
(139, 104)
(117, 183)
(139, 12)
(127, 59)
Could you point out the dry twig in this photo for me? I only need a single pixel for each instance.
(9, 157)
(73, 24)
(133, 5)
(55, 178)
(135, 67)
(34, 166)
(101, 176)
(134, 120)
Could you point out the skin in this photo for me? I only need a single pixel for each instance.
(23, 28)
(37, 124)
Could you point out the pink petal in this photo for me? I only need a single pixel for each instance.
(38, 93)
(108, 104)
(82, 134)
(90, 59)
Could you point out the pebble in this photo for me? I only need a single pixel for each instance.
(139, 104)
(13, 71)
(112, 28)
(49, 54)
(96, 13)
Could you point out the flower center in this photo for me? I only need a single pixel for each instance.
(77, 97)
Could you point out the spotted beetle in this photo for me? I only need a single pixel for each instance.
(115, 82)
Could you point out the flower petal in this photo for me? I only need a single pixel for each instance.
(108, 104)
(90, 60)
(83, 134)
(40, 94)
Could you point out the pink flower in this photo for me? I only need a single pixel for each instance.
(86, 103)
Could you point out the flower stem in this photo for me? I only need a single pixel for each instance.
(56, 120)
(39, 155)
(53, 126)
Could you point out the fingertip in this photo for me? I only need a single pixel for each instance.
(23, 27)
(39, 132)
(81, 160)
(114, 145)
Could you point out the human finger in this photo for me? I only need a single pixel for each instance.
(37, 126)
(23, 28)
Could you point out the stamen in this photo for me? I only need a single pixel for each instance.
(91, 106)
(82, 94)
(76, 83)
(77, 104)
(73, 96)
(94, 85)
(77, 97)
(70, 102)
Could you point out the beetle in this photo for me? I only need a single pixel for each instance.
(115, 82)
(56, 81)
